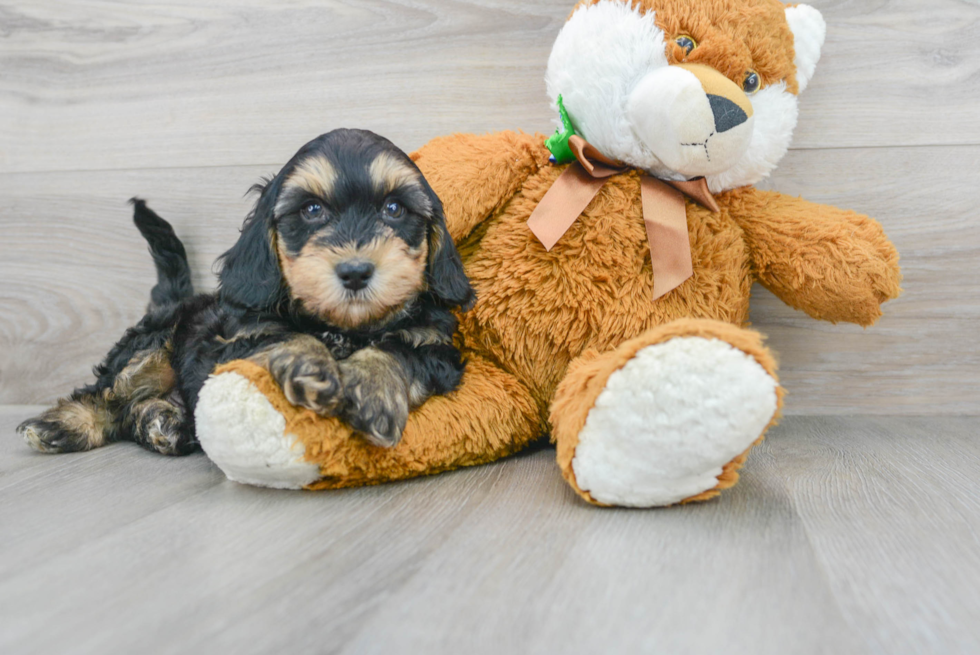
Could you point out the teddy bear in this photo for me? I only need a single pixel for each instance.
(613, 264)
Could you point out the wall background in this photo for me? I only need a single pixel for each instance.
(188, 105)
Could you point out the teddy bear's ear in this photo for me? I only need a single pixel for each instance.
(809, 30)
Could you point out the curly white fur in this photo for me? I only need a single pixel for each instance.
(246, 436)
(669, 420)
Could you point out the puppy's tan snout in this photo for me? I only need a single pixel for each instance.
(355, 274)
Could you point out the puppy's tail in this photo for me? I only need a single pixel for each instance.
(173, 272)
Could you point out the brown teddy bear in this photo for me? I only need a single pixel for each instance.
(613, 265)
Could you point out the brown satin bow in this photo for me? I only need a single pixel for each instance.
(664, 211)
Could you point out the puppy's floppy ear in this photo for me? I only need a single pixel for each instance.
(444, 272)
(250, 274)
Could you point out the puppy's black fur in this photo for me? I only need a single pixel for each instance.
(342, 284)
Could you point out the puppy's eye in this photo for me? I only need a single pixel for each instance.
(394, 210)
(751, 83)
(687, 43)
(312, 211)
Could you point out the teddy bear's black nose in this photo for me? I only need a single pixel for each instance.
(727, 113)
(355, 275)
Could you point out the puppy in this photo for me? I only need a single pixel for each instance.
(342, 284)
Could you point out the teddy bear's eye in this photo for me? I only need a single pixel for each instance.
(687, 43)
(751, 83)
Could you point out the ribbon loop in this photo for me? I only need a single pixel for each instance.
(563, 204)
(664, 211)
(597, 164)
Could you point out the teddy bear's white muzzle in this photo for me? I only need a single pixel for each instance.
(691, 131)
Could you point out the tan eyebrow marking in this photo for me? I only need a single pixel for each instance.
(388, 173)
(314, 174)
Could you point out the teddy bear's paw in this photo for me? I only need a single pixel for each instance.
(668, 421)
(245, 435)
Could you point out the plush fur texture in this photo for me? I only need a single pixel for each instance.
(539, 312)
(566, 342)
(489, 416)
(247, 438)
(681, 401)
(607, 90)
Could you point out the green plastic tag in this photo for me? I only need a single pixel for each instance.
(557, 143)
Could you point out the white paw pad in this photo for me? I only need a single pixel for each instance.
(668, 420)
(245, 436)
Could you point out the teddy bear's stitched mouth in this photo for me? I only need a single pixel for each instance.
(703, 144)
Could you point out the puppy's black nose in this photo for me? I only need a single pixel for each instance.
(355, 275)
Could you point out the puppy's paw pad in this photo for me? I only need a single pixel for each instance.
(382, 420)
(376, 405)
(313, 383)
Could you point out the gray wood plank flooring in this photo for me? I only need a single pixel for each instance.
(856, 535)
(846, 535)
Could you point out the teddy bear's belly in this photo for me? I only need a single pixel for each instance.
(538, 310)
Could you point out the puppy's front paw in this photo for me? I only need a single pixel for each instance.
(376, 397)
(308, 380)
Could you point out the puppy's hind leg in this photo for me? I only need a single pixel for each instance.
(147, 406)
(92, 416)
(160, 425)
(81, 422)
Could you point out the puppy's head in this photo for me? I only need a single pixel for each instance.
(349, 232)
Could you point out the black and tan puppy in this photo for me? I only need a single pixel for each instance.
(341, 284)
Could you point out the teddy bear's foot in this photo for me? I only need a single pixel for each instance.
(666, 417)
(253, 433)
(246, 436)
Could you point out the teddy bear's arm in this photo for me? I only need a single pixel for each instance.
(834, 264)
(474, 175)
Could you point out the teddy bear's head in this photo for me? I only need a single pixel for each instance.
(687, 88)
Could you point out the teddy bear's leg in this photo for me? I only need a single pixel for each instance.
(249, 429)
(667, 417)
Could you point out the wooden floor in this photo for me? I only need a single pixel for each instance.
(856, 528)
(856, 535)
